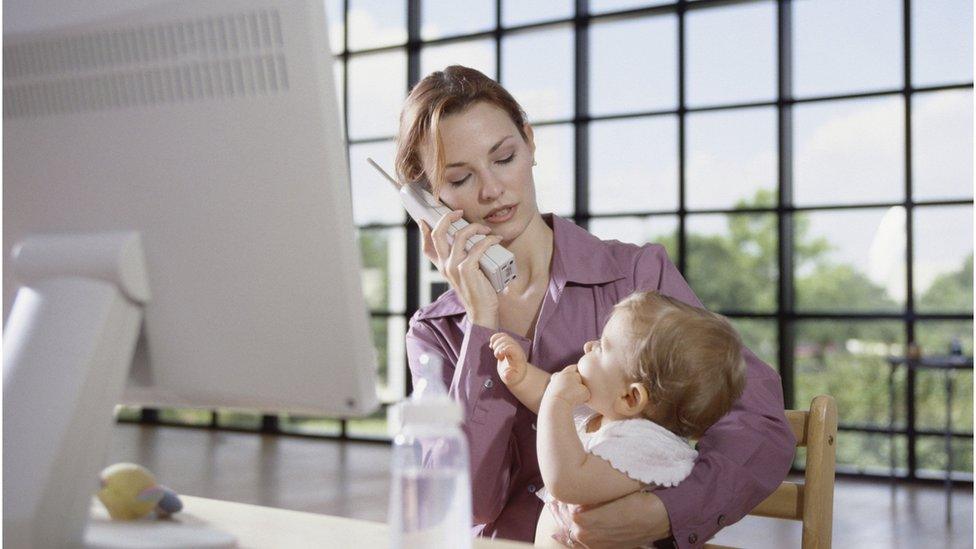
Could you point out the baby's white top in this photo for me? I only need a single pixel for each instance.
(639, 448)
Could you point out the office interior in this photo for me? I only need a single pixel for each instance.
(807, 165)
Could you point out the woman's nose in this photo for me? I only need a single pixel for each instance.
(491, 187)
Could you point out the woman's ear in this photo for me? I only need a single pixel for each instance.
(633, 402)
(529, 137)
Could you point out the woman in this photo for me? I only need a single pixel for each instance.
(464, 137)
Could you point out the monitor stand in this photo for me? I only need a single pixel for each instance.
(67, 349)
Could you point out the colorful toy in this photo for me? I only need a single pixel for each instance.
(130, 492)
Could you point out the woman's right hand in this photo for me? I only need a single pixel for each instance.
(460, 266)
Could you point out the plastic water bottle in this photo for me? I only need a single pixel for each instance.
(430, 493)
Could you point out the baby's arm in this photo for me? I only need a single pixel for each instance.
(525, 381)
(570, 473)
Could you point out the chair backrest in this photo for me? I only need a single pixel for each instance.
(811, 501)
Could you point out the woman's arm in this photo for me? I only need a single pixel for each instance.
(570, 473)
(489, 411)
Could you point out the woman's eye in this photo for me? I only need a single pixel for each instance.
(507, 160)
(461, 181)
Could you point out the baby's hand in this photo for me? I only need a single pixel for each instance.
(512, 364)
(567, 385)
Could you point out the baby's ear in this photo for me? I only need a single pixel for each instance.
(633, 402)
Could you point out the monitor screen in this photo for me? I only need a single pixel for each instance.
(211, 130)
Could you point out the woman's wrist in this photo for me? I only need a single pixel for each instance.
(487, 319)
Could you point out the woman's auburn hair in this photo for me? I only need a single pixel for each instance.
(689, 360)
(437, 96)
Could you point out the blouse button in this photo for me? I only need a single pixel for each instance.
(532, 488)
(693, 538)
(533, 426)
(489, 383)
(721, 520)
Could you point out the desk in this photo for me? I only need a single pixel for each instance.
(266, 527)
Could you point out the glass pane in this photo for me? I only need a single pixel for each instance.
(238, 419)
(732, 160)
(373, 427)
(659, 229)
(185, 416)
(538, 71)
(732, 261)
(931, 396)
(943, 271)
(942, 145)
(935, 336)
(338, 76)
(377, 87)
(384, 263)
(942, 42)
(870, 452)
(307, 425)
(477, 54)
(848, 360)
(851, 260)
(760, 337)
(388, 339)
(602, 6)
(846, 47)
(634, 165)
(440, 18)
(374, 200)
(337, 29)
(623, 77)
(554, 174)
(879, 446)
(849, 152)
(932, 460)
(731, 54)
(520, 12)
(376, 23)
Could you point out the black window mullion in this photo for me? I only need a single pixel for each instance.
(414, 259)
(581, 128)
(682, 112)
(909, 240)
(786, 301)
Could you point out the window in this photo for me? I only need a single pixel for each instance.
(807, 164)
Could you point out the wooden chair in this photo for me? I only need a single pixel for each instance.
(811, 501)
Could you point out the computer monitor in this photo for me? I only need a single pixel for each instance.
(176, 176)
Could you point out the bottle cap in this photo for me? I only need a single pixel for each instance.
(429, 404)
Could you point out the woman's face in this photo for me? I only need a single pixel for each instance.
(489, 169)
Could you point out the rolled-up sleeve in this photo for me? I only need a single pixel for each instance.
(489, 409)
(744, 456)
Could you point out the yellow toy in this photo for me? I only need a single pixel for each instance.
(130, 492)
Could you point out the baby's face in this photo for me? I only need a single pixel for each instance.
(603, 366)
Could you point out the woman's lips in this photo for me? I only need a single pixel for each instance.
(502, 216)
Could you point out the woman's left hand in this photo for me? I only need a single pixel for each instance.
(631, 521)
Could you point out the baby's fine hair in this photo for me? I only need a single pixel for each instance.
(689, 360)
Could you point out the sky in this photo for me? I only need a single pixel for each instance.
(845, 152)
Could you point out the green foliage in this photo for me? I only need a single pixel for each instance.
(951, 291)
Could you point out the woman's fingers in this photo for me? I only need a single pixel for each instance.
(459, 250)
(442, 246)
(471, 261)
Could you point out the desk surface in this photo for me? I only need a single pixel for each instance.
(255, 526)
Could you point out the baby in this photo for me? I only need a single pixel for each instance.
(661, 372)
